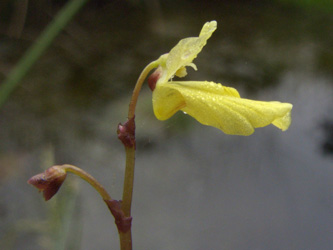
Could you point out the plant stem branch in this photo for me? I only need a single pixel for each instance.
(88, 178)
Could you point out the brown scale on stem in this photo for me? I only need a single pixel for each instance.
(126, 133)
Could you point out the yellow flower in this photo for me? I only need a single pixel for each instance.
(209, 103)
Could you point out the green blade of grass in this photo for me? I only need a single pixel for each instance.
(37, 49)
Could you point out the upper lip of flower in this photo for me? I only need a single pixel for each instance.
(184, 53)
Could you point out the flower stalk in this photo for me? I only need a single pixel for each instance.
(138, 85)
(126, 133)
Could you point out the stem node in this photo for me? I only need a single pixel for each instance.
(123, 223)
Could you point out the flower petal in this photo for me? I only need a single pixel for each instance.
(221, 107)
(186, 50)
(166, 101)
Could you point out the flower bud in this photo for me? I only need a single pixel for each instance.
(49, 181)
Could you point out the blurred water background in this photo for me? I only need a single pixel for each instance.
(195, 187)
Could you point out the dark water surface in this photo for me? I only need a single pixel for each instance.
(195, 188)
